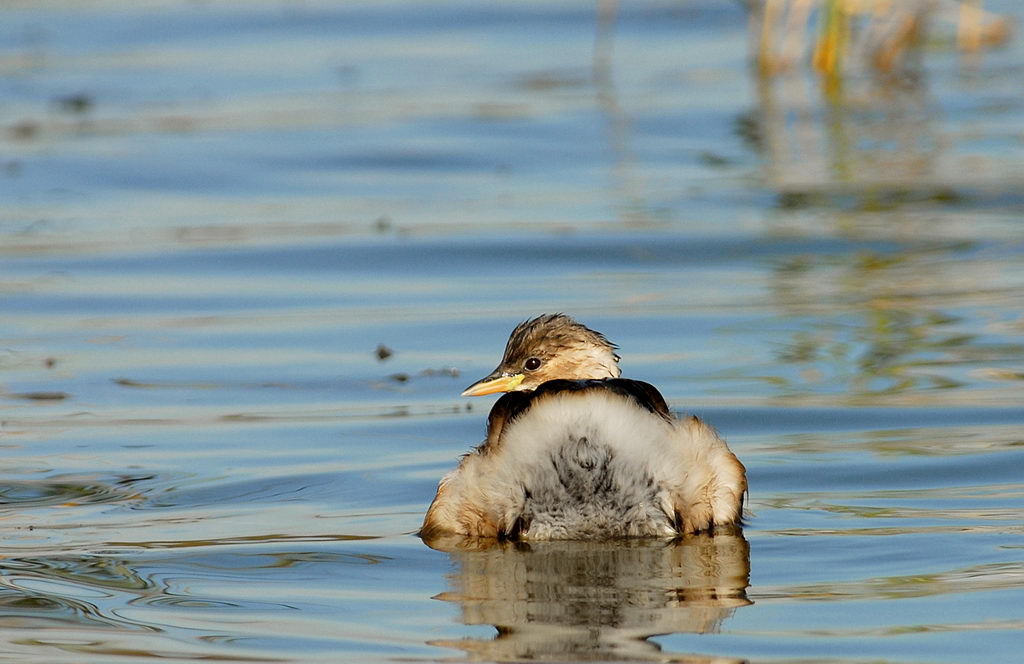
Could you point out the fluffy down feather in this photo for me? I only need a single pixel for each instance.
(596, 459)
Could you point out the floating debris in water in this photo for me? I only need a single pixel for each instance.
(443, 371)
(74, 103)
(41, 396)
(404, 377)
(383, 352)
(128, 382)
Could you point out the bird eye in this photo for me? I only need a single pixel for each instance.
(532, 364)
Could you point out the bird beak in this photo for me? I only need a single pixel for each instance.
(496, 382)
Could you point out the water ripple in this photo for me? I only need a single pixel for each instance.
(69, 491)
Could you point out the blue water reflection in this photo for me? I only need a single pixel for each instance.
(215, 214)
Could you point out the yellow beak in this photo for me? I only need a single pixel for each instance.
(491, 385)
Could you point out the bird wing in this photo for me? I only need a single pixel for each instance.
(712, 483)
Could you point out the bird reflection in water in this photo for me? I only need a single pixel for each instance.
(594, 600)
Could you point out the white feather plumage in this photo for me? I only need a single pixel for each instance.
(593, 464)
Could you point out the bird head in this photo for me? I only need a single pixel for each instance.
(549, 347)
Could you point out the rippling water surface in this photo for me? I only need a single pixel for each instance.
(218, 218)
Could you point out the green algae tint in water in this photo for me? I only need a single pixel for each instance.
(214, 214)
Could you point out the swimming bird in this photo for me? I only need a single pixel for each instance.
(573, 451)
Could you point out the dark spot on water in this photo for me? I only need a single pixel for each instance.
(947, 195)
(42, 396)
(793, 200)
(713, 159)
(382, 224)
(748, 127)
(399, 377)
(551, 80)
(24, 130)
(50, 362)
(383, 352)
(74, 103)
(443, 371)
(137, 478)
(128, 382)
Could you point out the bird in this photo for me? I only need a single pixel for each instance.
(575, 452)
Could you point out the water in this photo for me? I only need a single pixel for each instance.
(214, 213)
